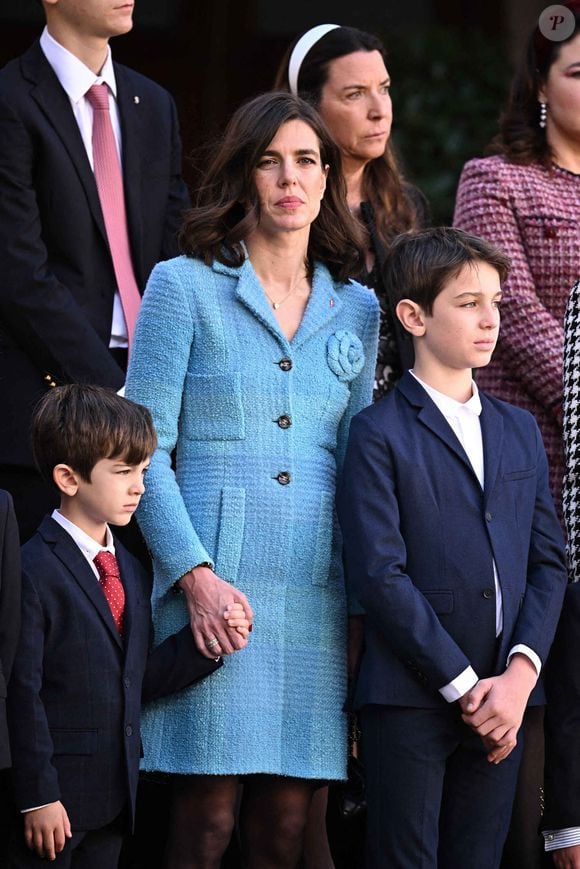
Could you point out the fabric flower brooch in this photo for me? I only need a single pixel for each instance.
(345, 355)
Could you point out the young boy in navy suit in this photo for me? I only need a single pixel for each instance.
(454, 550)
(83, 666)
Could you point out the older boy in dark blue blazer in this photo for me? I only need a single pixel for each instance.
(453, 547)
(83, 667)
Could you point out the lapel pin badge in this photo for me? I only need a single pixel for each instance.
(331, 302)
(136, 100)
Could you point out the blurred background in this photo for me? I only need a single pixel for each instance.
(450, 61)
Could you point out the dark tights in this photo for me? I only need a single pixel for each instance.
(272, 818)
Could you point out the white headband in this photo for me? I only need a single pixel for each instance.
(301, 49)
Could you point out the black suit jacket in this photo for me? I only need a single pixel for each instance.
(76, 689)
(9, 610)
(56, 274)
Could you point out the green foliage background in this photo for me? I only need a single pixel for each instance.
(448, 90)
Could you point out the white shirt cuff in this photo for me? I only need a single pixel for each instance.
(34, 808)
(567, 838)
(460, 685)
(121, 391)
(529, 653)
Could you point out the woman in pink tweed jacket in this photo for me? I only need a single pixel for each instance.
(527, 201)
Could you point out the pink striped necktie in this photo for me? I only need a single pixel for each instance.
(109, 179)
(110, 581)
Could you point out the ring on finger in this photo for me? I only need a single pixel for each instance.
(213, 642)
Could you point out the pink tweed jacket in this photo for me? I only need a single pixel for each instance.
(533, 214)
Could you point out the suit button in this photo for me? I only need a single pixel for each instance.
(285, 364)
(128, 730)
(127, 682)
(284, 421)
(488, 593)
(488, 517)
(283, 478)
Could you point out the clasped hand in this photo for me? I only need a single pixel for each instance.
(217, 612)
(494, 707)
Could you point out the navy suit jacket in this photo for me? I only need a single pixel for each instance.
(420, 537)
(57, 283)
(76, 689)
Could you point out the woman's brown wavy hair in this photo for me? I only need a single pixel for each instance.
(521, 139)
(397, 205)
(226, 209)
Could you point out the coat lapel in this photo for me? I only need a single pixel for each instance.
(55, 105)
(431, 417)
(66, 550)
(323, 306)
(492, 434)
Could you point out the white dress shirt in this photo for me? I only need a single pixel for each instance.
(463, 419)
(76, 79)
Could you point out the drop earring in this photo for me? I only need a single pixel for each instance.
(543, 114)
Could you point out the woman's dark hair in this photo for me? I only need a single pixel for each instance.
(396, 204)
(520, 138)
(226, 208)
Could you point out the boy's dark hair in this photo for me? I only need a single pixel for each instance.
(419, 264)
(79, 425)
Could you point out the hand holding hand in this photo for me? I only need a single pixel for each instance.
(47, 829)
(208, 598)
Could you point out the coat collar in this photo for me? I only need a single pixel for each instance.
(430, 416)
(323, 305)
(69, 554)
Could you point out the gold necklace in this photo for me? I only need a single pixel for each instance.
(276, 305)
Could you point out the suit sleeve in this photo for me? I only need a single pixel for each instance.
(485, 207)
(174, 664)
(376, 559)
(546, 571)
(9, 587)
(34, 776)
(38, 309)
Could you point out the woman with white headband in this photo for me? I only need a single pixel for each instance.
(342, 72)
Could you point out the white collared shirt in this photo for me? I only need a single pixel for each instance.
(463, 418)
(89, 547)
(76, 79)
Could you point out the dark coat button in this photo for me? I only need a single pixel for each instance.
(284, 421)
(488, 517)
(488, 593)
(285, 364)
(128, 730)
(283, 478)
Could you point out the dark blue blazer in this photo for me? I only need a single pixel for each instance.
(420, 537)
(9, 609)
(58, 282)
(76, 689)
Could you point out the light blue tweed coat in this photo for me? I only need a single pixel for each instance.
(206, 362)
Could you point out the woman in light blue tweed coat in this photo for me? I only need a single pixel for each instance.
(253, 352)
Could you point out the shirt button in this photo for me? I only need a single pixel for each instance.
(284, 421)
(488, 517)
(283, 478)
(128, 730)
(488, 593)
(285, 364)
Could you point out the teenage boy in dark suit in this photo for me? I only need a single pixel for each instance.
(455, 552)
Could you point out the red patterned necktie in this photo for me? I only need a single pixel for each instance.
(109, 179)
(110, 582)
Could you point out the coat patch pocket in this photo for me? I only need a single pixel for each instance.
(74, 741)
(212, 408)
